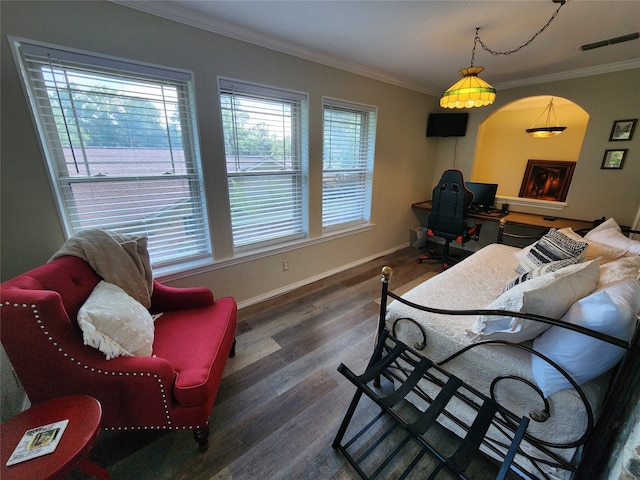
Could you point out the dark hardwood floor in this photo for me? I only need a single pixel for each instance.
(281, 400)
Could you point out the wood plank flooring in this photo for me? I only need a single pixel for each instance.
(281, 400)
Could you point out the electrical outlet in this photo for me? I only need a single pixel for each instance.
(285, 266)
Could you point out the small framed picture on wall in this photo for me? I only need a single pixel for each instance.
(622, 130)
(614, 158)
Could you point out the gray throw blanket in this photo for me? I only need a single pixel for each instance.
(118, 258)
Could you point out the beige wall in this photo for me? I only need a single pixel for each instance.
(31, 229)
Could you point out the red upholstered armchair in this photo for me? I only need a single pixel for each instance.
(175, 388)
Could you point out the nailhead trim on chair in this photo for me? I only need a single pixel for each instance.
(36, 316)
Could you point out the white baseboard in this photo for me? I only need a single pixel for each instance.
(307, 281)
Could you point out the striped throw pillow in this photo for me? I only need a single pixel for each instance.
(554, 246)
(542, 269)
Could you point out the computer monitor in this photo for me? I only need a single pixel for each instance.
(484, 194)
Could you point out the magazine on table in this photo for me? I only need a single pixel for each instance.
(38, 441)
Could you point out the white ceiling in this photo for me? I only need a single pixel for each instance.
(423, 44)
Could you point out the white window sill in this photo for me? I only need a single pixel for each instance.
(531, 202)
(182, 271)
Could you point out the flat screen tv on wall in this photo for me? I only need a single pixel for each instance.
(447, 124)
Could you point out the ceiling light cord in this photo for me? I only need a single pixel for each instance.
(548, 130)
(475, 42)
(549, 111)
(509, 52)
(472, 91)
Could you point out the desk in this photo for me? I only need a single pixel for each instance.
(521, 219)
(84, 414)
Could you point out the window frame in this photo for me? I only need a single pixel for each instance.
(366, 157)
(173, 258)
(238, 90)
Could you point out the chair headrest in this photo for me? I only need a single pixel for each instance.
(452, 176)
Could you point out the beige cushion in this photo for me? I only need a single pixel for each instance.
(550, 295)
(115, 323)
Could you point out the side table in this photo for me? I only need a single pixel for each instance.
(84, 414)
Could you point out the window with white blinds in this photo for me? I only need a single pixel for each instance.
(347, 163)
(265, 137)
(120, 141)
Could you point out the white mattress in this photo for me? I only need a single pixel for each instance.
(473, 284)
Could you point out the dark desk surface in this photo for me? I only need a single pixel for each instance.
(519, 218)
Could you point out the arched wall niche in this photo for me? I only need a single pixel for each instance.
(503, 148)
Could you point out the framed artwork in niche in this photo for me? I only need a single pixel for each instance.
(547, 180)
(622, 130)
(614, 158)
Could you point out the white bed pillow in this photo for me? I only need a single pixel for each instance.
(115, 323)
(605, 253)
(625, 267)
(552, 247)
(550, 295)
(614, 238)
(609, 310)
(606, 225)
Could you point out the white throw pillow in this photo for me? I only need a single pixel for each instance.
(614, 238)
(115, 323)
(552, 247)
(625, 267)
(550, 295)
(607, 224)
(605, 253)
(610, 310)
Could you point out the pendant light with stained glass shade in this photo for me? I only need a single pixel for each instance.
(470, 91)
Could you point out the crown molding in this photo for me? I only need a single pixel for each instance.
(570, 74)
(176, 13)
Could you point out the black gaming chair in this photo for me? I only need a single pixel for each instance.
(448, 217)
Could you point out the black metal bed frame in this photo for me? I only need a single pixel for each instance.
(502, 233)
(426, 456)
(598, 438)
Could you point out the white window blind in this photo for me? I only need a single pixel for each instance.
(265, 148)
(121, 146)
(347, 164)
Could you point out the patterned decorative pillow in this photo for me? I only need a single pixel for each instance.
(552, 247)
(542, 269)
